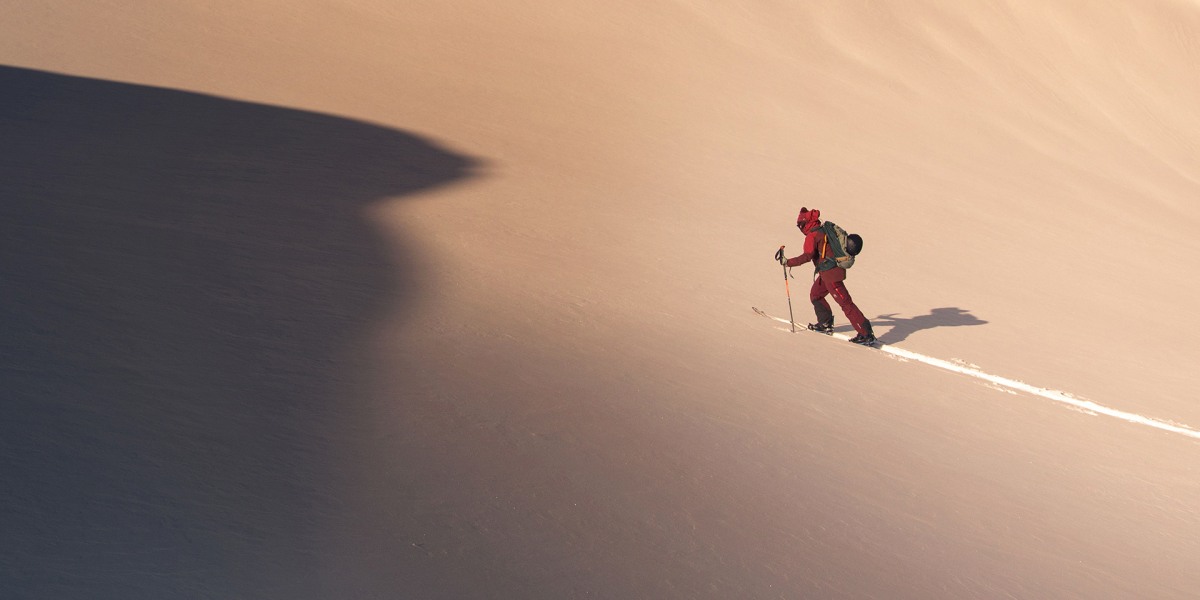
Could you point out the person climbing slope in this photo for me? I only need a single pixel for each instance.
(829, 279)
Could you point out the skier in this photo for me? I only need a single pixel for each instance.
(828, 280)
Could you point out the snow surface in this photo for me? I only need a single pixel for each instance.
(1004, 383)
(333, 299)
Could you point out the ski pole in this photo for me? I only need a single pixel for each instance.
(786, 288)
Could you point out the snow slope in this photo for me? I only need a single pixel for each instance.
(334, 299)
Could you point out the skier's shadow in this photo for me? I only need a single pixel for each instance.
(901, 328)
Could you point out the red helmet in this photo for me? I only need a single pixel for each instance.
(807, 216)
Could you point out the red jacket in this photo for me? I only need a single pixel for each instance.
(816, 248)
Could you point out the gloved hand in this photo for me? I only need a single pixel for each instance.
(780, 257)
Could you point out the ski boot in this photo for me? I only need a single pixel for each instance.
(864, 340)
(825, 328)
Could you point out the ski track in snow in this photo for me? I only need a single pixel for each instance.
(1006, 384)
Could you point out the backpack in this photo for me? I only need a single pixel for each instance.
(845, 247)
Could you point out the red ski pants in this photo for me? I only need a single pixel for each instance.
(841, 295)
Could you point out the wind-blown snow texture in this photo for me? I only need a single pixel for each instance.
(331, 299)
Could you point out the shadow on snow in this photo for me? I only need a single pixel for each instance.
(902, 328)
(184, 280)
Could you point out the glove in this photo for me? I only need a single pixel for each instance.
(780, 257)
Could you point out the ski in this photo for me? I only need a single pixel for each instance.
(840, 336)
